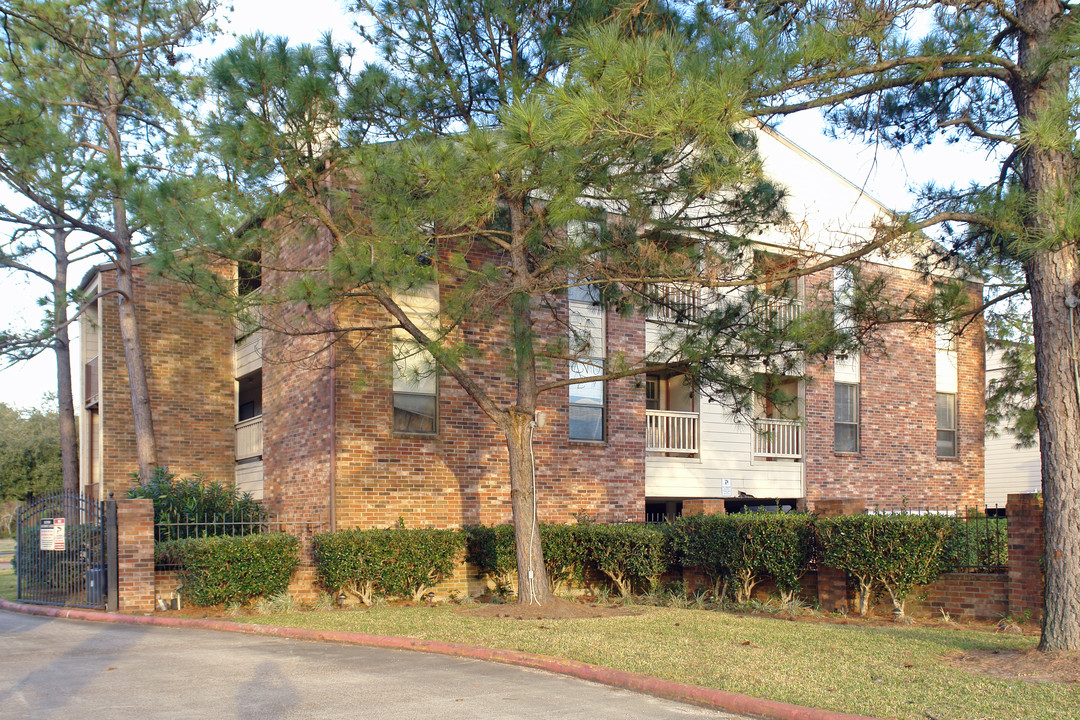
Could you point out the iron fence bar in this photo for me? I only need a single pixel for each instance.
(112, 570)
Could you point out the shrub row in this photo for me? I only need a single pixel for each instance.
(889, 554)
(217, 570)
(882, 554)
(197, 507)
(394, 562)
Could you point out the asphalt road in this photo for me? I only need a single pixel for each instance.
(52, 668)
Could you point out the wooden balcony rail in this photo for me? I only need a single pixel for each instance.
(667, 431)
(778, 438)
(680, 304)
(90, 381)
(778, 311)
(249, 438)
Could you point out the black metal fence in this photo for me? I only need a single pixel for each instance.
(61, 556)
(184, 526)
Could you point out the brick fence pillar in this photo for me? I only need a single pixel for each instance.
(1025, 515)
(833, 583)
(135, 554)
(703, 506)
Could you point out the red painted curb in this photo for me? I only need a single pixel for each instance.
(706, 697)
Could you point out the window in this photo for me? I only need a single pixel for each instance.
(946, 424)
(846, 418)
(249, 273)
(416, 378)
(587, 401)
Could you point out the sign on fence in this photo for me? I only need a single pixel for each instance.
(53, 533)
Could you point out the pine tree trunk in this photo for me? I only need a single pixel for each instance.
(145, 447)
(533, 585)
(69, 444)
(1053, 278)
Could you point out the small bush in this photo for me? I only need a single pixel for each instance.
(891, 552)
(491, 550)
(395, 562)
(220, 570)
(565, 555)
(745, 546)
(632, 556)
(196, 507)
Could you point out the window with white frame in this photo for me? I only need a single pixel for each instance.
(587, 399)
(846, 418)
(946, 424)
(416, 378)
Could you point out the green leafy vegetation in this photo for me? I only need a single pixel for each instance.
(196, 507)
(29, 457)
(219, 570)
(395, 562)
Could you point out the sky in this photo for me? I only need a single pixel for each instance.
(886, 176)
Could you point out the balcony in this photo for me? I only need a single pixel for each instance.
(90, 382)
(778, 311)
(677, 304)
(778, 439)
(249, 438)
(668, 431)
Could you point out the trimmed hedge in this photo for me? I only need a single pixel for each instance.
(745, 546)
(633, 556)
(217, 570)
(889, 552)
(491, 550)
(395, 562)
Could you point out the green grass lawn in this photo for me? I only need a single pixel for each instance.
(883, 671)
(7, 582)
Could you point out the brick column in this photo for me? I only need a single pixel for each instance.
(704, 506)
(1025, 514)
(135, 554)
(833, 583)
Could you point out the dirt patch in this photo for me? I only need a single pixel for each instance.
(557, 609)
(1028, 665)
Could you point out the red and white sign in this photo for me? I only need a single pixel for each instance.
(53, 533)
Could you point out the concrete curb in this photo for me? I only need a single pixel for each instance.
(705, 697)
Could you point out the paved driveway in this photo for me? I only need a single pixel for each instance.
(51, 668)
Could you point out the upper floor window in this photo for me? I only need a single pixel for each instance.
(587, 399)
(416, 378)
(249, 273)
(846, 418)
(946, 424)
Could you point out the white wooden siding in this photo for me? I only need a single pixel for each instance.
(249, 478)
(1007, 468)
(725, 453)
(249, 354)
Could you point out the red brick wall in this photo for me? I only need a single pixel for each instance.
(897, 462)
(297, 393)
(979, 596)
(189, 360)
(1026, 548)
(460, 476)
(135, 555)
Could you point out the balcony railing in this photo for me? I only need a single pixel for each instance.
(249, 438)
(778, 439)
(677, 304)
(667, 431)
(778, 311)
(90, 381)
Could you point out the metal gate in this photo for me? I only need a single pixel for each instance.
(62, 551)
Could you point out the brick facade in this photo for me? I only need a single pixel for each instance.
(897, 464)
(189, 360)
(135, 555)
(1026, 549)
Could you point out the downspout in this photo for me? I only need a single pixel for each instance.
(333, 439)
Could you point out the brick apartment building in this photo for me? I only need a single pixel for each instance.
(343, 441)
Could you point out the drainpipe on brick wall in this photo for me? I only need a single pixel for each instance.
(333, 438)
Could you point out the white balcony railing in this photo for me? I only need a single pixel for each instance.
(778, 438)
(249, 438)
(667, 431)
(778, 311)
(677, 304)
